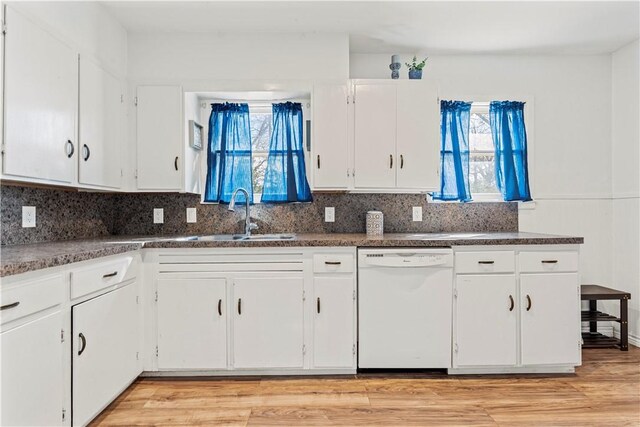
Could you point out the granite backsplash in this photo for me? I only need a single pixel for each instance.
(63, 215)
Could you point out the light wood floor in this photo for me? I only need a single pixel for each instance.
(605, 391)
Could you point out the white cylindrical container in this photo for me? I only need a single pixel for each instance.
(375, 223)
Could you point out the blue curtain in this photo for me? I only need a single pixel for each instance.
(229, 153)
(285, 179)
(454, 152)
(510, 140)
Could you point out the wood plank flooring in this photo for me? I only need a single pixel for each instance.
(605, 391)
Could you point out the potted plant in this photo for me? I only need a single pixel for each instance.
(415, 68)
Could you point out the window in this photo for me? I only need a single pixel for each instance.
(482, 168)
(261, 120)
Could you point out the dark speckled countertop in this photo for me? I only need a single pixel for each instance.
(16, 259)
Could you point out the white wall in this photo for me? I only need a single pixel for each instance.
(86, 26)
(194, 60)
(570, 137)
(625, 119)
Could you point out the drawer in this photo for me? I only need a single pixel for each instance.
(333, 263)
(485, 262)
(541, 262)
(30, 297)
(102, 274)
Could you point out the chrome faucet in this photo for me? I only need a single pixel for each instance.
(248, 226)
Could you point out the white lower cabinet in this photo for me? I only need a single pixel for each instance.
(525, 317)
(192, 323)
(550, 307)
(334, 321)
(104, 350)
(268, 322)
(486, 317)
(32, 373)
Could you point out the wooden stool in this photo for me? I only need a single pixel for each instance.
(593, 339)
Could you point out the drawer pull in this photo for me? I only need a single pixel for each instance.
(175, 163)
(549, 261)
(318, 161)
(333, 262)
(239, 306)
(220, 307)
(318, 305)
(8, 306)
(106, 276)
(528, 303)
(486, 262)
(512, 303)
(83, 343)
(390, 161)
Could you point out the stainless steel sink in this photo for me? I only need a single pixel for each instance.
(238, 237)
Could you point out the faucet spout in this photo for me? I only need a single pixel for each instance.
(248, 226)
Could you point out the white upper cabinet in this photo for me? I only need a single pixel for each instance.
(330, 143)
(417, 135)
(397, 128)
(41, 102)
(375, 136)
(101, 127)
(159, 138)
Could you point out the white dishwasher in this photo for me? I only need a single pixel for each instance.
(404, 308)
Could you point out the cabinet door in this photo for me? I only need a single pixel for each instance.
(418, 135)
(333, 324)
(267, 325)
(100, 127)
(192, 324)
(32, 373)
(485, 320)
(550, 319)
(104, 350)
(375, 136)
(159, 137)
(40, 103)
(330, 142)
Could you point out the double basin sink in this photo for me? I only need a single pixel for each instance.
(237, 237)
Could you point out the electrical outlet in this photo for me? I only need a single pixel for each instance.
(28, 216)
(158, 215)
(330, 214)
(191, 215)
(417, 213)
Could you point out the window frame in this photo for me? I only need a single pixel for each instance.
(264, 106)
(529, 119)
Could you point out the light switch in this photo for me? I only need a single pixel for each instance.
(191, 215)
(417, 213)
(329, 214)
(28, 216)
(158, 215)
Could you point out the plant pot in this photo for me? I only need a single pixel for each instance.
(415, 74)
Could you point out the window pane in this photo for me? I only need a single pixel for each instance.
(259, 168)
(482, 172)
(261, 124)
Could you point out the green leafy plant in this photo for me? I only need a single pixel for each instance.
(415, 65)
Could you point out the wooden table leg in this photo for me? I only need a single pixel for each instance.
(593, 307)
(624, 324)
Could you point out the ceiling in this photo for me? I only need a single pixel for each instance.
(433, 27)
